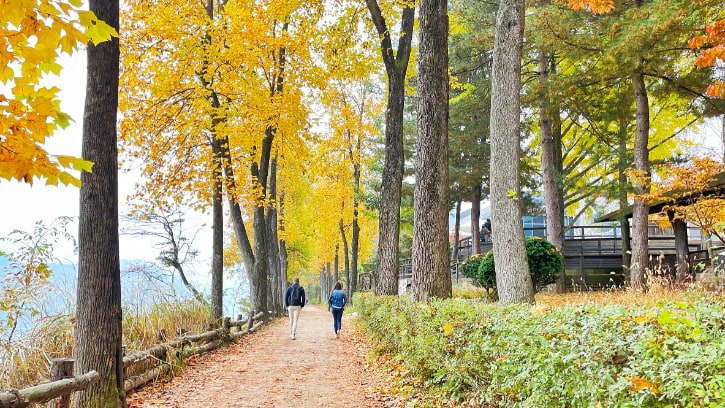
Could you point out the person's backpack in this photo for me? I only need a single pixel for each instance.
(294, 296)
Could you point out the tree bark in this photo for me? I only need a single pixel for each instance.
(282, 246)
(273, 242)
(396, 65)
(623, 191)
(217, 270)
(512, 278)
(682, 263)
(355, 240)
(346, 256)
(336, 277)
(476, 219)
(431, 262)
(97, 334)
(551, 167)
(456, 232)
(640, 246)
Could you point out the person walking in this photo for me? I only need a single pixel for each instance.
(336, 304)
(294, 301)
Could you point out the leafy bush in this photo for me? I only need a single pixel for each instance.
(669, 355)
(545, 264)
(469, 268)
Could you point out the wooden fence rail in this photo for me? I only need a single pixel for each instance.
(153, 362)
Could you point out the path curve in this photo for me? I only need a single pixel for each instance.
(267, 369)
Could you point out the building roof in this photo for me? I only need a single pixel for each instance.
(672, 197)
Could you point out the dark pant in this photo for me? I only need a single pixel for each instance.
(337, 318)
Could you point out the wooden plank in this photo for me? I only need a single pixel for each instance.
(156, 352)
(46, 392)
(136, 381)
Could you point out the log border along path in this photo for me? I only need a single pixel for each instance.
(270, 370)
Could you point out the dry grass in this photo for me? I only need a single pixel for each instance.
(659, 290)
(26, 361)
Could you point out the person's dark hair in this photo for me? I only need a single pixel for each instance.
(338, 286)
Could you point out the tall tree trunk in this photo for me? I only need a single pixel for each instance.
(217, 270)
(282, 245)
(682, 263)
(456, 231)
(355, 240)
(336, 277)
(396, 65)
(273, 241)
(623, 189)
(640, 247)
(346, 253)
(512, 278)
(552, 172)
(389, 215)
(476, 219)
(431, 262)
(97, 334)
(240, 231)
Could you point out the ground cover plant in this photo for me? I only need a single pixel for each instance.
(669, 354)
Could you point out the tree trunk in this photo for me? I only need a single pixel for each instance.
(552, 169)
(355, 241)
(97, 334)
(273, 242)
(282, 246)
(431, 262)
(396, 65)
(336, 278)
(389, 216)
(623, 192)
(346, 254)
(476, 219)
(640, 247)
(682, 263)
(512, 277)
(217, 273)
(258, 285)
(456, 231)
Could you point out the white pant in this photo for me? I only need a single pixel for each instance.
(294, 314)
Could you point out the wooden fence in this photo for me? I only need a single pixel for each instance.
(139, 368)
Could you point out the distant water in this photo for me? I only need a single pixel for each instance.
(137, 291)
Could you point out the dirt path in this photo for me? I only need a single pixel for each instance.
(269, 370)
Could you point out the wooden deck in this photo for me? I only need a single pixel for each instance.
(593, 254)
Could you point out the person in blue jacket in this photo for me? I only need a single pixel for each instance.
(336, 304)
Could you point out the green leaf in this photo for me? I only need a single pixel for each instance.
(665, 318)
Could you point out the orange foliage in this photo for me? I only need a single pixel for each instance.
(707, 212)
(713, 42)
(595, 6)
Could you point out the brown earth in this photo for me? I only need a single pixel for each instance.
(269, 370)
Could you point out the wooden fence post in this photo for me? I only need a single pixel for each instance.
(250, 321)
(227, 323)
(61, 368)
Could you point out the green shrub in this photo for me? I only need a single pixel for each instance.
(669, 355)
(469, 267)
(545, 264)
